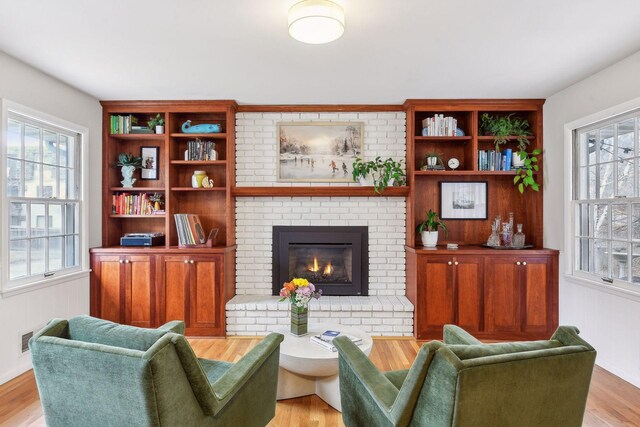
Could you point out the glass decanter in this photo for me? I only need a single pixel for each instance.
(506, 235)
(518, 238)
(494, 239)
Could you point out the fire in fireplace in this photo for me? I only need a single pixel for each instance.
(335, 259)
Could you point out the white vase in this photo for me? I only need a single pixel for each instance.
(429, 238)
(159, 129)
(366, 181)
(127, 174)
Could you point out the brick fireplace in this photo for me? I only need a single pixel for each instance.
(255, 308)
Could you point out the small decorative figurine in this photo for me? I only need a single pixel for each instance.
(202, 128)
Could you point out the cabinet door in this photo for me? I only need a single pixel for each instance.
(538, 295)
(503, 295)
(139, 295)
(174, 288)
(107, 287)
(205, 293)
(469, 279)
(435, 295)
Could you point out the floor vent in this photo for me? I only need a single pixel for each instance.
(25, 341)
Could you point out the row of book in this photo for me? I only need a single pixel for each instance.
(126, 124)
(439, 125)
(491, 160)
(190, 231)
(325, 340)
(201, 150)
(132, 204)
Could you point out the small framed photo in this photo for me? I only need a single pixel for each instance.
(150, 157)
(463, 200)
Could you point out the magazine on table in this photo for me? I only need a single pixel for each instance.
(325, 339)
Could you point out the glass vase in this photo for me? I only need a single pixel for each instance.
(506, 235)
(518, 238)
(494, 239)
(299, 319)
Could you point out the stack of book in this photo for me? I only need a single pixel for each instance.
(201, 150)
(490, 160)
(126, 124)
(439, 125)
(132, 204)
(190, 231)
(325, 340)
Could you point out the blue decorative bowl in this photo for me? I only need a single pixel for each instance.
(459, 132)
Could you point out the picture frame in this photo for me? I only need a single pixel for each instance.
(318, 151)
(463, 200)
(150, 159)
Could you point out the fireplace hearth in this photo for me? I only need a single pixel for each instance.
(335, 259)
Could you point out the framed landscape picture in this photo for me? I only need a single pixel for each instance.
(318, 151)
(149, 162)
(463, 200)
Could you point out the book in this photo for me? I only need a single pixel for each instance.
(329, 335)
(328, 345)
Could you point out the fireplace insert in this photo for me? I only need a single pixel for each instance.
(334, 259)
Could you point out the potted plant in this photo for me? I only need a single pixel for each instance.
(380, 174)
(524, 175)
(128, 163)
(431, 160)
(428, 229)
(502, 127)
(156, 123)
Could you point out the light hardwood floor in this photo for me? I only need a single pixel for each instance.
(612, 401)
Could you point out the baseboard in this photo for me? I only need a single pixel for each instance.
(620, 373)
(22, 367)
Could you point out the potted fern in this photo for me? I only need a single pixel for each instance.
(428, 229)
(156, 124)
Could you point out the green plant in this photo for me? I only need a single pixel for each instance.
(432, 223)
(128, 160)
(429, 155)
(524, 176)
(155, 121)
(382, 172)
(502, 127)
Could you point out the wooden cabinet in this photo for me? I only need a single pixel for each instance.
(191, 289)
(122, 289)
(162, 285)
(451, 292)
(521, 298)
(491, 294)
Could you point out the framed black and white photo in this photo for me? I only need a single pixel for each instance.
(463, 200)
(150, 157)
(318, 151)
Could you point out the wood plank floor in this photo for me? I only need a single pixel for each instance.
(612, 401)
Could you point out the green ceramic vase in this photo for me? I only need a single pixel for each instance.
(299, 319)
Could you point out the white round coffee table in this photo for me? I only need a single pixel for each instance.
(307, 368)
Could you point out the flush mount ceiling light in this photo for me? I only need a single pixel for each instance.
(316, 21)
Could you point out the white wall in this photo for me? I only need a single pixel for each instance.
(609, 321)
(24, 312)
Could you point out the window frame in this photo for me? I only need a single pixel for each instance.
(571, 175)
(24, 284)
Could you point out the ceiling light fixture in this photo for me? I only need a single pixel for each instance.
(316, 21)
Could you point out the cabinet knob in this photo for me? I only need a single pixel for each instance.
(456, 263)
(524, 262)
(186, 261)
(121, 261)
(126, 261)
(191, 261)
(449, 263)
(518, 263)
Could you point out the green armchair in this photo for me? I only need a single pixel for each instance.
(94, 372)
(463, 382)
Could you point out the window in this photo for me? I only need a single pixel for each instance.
(606, 201)
(42, 212)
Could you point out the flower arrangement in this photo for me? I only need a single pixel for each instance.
(299, 291)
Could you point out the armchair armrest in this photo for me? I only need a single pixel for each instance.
(382, 391)
(238, 375)
(176, 326)
(456, 335)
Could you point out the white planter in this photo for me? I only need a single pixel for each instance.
(429, 238)
(516, 161)
(366, 181)
(127, 174)
(159, 129)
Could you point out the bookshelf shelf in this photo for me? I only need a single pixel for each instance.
(447, 139)
(137, 136)
(199, 162)
(159, 216)
(181, 136)
(198, 189)
(138, 189)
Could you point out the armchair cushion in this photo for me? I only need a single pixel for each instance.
(90, 329)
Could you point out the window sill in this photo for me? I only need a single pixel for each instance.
(607, 288)
(44, 283)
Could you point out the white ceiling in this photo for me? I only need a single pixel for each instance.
(391, 49)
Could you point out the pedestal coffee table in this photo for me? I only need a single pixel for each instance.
(307, 368)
